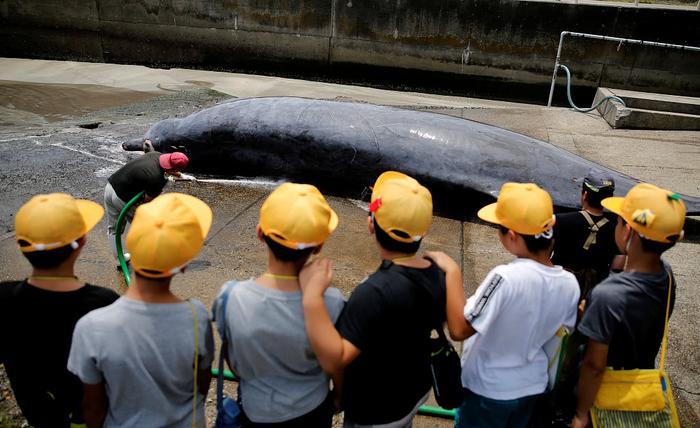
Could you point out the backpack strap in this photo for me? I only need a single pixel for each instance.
(668, 309)
(593, 228)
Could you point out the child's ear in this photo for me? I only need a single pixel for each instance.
(370, 225)
(512, 236)
(259, 231)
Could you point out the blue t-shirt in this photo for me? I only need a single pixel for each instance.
(144, 353)
(627, 312)
(281, 379)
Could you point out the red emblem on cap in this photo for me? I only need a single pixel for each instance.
(374, 206)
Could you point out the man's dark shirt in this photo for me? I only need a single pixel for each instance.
(37, 329)
(627, 312)
(141, 174)
(389, 318)
(570, 233)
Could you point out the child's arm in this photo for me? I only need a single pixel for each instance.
(94, 404)
(204, 380)
(592, 370)
(338, 391)
(457, 325)
(333, 352)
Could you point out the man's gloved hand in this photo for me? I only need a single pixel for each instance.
(187, 177)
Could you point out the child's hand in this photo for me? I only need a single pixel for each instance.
(444, 262)
(316, 276)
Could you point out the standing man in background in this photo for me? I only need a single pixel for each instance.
(584, 241)
(144, 174)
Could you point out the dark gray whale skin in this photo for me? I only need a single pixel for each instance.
(350, 144)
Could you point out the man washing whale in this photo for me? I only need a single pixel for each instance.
(149, 174)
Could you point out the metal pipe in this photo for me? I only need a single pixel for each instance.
(611, 39)
(556, 67)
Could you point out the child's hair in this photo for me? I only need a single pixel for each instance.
(150, 278)
(47, 259)
(285, 254)
(391, 244)
(654, 246)
(650, 246)
(595, 198)
(533, 244)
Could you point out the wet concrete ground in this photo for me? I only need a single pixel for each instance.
(77, 155)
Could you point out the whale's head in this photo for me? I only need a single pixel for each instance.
(161, 137)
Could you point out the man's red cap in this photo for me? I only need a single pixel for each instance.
(175, 161)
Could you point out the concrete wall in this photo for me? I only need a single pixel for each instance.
(450, 42)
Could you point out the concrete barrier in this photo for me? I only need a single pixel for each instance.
(457, 45)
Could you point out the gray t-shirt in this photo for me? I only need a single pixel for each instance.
(281, 378)
(144, 354)
(627, 312)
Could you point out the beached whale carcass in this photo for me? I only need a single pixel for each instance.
(350, 144)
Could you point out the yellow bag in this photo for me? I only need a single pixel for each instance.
(631, 390)
(637, 398)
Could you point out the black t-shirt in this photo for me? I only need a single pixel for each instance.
(141, 174)
(627, 312)
(389, 318)
(37, 329)
(570, 233)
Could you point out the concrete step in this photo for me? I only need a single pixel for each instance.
(646, 110)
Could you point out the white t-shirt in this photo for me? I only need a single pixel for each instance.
(515, 311)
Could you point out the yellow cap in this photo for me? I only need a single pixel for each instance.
(400, 204)
(167, 233)
(522, 207)
(47, 222)
(297, 216)
(656, 213)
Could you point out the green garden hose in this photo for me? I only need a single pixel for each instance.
(119, 228)
(585, 110)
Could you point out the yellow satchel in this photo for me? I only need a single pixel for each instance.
(637, 398)
(631, 390)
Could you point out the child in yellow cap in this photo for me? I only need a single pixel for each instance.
(382, 340)
(517, 309)
(281, 381)
(626, 314)
(38, 314)
(145, 361)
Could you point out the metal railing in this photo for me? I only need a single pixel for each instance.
(612, 39)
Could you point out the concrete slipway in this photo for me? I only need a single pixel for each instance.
(61, 122)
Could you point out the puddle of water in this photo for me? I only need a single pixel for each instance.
(35, 104)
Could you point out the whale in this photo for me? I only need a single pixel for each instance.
(346, 145)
